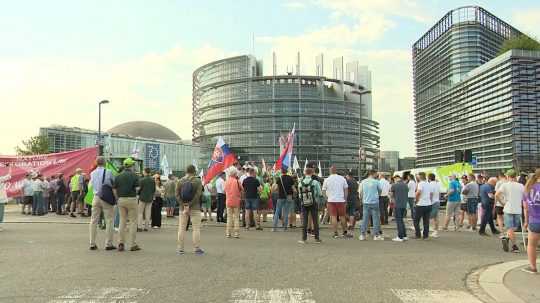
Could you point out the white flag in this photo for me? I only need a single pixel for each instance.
(263, 166)
(135, 151)
(296, 165)
(165, 166)
(320, 170)
(305, 164)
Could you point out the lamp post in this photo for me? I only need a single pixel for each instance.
(362, 161)
(100, 143)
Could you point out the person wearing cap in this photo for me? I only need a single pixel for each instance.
(125, 188)
(399, 192)
(28, 192)
(453, 197)
(99, 177)
(76, 185)
(147, 189)
(37, 200)
(513, 192)
(3, 194)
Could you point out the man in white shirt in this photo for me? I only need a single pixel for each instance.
(335, 189)
(513, 197)
(220, 197)
(98, 178)
(422, 210)
(499, 204)
(411, 195)
(435, 203)
(383, 198)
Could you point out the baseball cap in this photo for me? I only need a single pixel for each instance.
(128, 162)
(511, 173)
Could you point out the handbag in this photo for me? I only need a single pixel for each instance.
(106, 193)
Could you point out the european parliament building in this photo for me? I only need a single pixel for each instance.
(468, 96)
(332, 116)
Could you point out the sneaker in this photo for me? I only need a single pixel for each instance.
(121, 247)
(93, 247)
(71, 215)
(435, 234)
(505, 244)
(378, 238)
(515, 249)
(135, 248)
(301, 242)
(110, 247)
(180, 252)
(444, 229)
(259, 228)
(155, 227)
(145, 229)
(139, 230)
(236, 236)
(227, 235)
(273, 230)
(199, 252)
(362, 238)
(405, 238)
(529, 270)
(397, 239)
(336, 236)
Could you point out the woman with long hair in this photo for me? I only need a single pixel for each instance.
(157, 204)
(531, 205)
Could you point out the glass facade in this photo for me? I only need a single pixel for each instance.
(251, 112)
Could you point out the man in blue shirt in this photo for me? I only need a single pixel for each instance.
(487, 198)
(98, 178)
(369, 190)
(454, 199)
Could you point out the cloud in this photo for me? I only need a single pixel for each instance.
(527, 21)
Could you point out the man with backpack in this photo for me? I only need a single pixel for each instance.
(98, 178)
(309, 191)
(189, 194)
(125, 186)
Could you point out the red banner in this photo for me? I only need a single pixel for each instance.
(47, 165)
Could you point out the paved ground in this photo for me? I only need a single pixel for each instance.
(50, 262)
(520, 284)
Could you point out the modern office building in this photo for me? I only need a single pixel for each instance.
(389, 161)
(233, 99)
(146, 141)
(468, 97)
(407, 163)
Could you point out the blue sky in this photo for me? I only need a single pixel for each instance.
(58, 58)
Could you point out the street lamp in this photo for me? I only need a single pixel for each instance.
(100, 144)
(362, 161)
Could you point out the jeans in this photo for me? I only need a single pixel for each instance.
(60, 203)
(400, 215)
(422, 212)
(383, 209)
(373, 211)
(487, 218)
(283, 208)
(37, 204)
(220, 207)
(314, 212)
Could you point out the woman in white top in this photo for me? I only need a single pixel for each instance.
(3, 194)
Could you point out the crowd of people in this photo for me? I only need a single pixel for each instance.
(245, 195)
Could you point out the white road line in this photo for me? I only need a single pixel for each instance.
(434, 296)
(287, 295)
(102, 295)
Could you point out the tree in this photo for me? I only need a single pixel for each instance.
(520, 42)
(34, 146)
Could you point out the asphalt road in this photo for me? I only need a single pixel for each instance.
(50, 262)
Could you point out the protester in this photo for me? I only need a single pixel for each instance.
(147, 188)
(37, 200)
(285, 185)
(422, 210)
(252, 187)
(335, 189)
(233, 191)
(309, 190)
(45, 188)
(207, 202)
(383, 199)
(411, 185)
(189, 194)
(399, 191)
(531, 206)
(499, 204)
(513, 196)
(463, 202)
(369, 190)
(352, 200)
(170, 195)
(28, 192)
(435, 203)
(453, 201)
(157, 204)
(220, 197)
(125, 186)
(487, 198)
(61, 191)
(471, 192)
(3, 194)
(99, 177)
(76, 186)
(53, 184)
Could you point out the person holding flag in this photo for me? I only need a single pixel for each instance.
(222, 158)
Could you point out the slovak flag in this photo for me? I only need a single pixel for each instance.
(285, 158)
(222, 158)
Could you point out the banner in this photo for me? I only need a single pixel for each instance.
(153, 156)
(47, 165)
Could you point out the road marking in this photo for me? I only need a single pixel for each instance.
(434, 296)
(287, 295)
(102, 295)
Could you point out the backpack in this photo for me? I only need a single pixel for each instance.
(186, 191)
(307, 194)
(265, 193)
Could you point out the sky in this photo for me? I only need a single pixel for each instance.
(59, 58)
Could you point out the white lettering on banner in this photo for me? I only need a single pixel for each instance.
(102, 295)
(288, 295)
(434, 296)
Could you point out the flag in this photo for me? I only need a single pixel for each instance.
(165, 166)
(263, 166)
(284, 161)
(296, 165)
(201, 174)
(222, 158)
(305, 164)
(135, 151)
(320, 170)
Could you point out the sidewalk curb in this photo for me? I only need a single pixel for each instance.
(488, 283)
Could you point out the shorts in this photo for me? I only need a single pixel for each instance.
(170, 202)
(463, 206)
(435, 210)
(452, 209)
(263, 204)
(472, 205)
(75, 195)
(336, 209)
(28, 200)
(512, 221)
(499, 210)
(534, 227)
(252, 204)
(351, 209)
